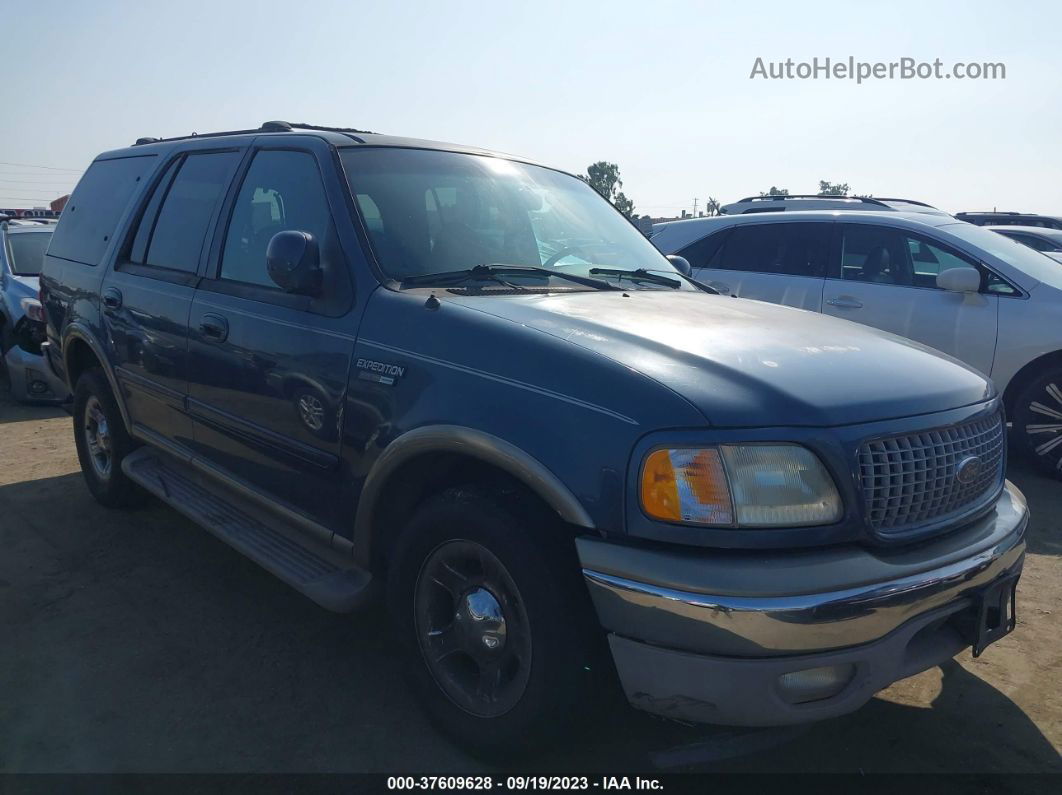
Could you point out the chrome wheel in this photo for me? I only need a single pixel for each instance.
(311, 411)
(98, 438)
(472, 628)
(1045, 436)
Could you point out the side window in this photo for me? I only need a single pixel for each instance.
(91, 216)
(790, 249)
(929, 259)
(705, 252)
(282, 191)
(175, 222)
(875, 254)
(1033, 242)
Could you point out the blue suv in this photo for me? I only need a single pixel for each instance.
(462, 384)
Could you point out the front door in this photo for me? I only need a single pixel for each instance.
(146, 298)
(886, 278)
(784, 263)
(269, 368)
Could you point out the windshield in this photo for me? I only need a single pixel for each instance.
(431, 212)
(1017, 255)
(25, 251)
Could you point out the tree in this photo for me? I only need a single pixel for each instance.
(623, 204)
(711, 206)
(776, 192)
(827, 188)
(604, 177)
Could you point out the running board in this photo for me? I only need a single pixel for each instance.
(325, 575)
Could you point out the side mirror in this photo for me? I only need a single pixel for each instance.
(960, 280)
(293, 262)
(681, 264)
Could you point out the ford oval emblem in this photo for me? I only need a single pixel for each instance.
(968, 469)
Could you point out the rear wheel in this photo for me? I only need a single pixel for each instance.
(1037, 421)
(102, 442)
(494, 622)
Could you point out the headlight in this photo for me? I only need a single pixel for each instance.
(32, 309)
(756, 485)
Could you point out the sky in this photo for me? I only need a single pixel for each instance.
(662, 89)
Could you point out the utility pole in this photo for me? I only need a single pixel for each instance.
(694, 208)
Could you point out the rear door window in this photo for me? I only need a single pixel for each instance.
(705, 252)
(175, 222)
(91, 216)
(790, 249)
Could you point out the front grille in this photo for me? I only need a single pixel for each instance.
(910, 482)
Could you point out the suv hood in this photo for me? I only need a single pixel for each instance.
(746, 363)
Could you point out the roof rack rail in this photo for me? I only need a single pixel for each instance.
(784, 196)
(990, 212)
(269, 126)
(905, 201)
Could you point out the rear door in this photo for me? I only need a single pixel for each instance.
(886, 277)
(146, 298)
(269, 368)
(784, 263)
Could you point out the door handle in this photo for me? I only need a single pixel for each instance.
(720, 287)
(112, 299)
(845, 302)
(214, 327)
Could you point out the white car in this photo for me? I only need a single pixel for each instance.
(962, 289)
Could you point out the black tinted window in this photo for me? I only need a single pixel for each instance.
(792, 249)
(95, 207)
(282, 191)
(25, 251)
(178, 231)
(703, 253)
(138, 252)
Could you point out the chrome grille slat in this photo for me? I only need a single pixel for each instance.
(910, 481)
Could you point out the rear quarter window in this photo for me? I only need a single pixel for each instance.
(89, 220)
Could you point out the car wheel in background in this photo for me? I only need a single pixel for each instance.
(102, 442)
(1037, 419)
(494, 622)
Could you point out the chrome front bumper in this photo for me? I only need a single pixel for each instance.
(738, 612)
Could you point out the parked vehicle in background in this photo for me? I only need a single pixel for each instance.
(467, 378)
(962, 289)
(22, 247)
(800, 201)
(1041, 238)
(1011, 219)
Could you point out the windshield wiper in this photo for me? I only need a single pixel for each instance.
(493, 272)
(641, 274)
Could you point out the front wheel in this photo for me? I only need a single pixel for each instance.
(1037, 422)
(494, 621)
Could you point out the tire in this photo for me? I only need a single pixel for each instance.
(102, 442)
(537, 662)
(1037, 420)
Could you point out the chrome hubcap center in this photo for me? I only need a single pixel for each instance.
(480, 621)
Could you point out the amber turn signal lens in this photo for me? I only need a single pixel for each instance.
(686, 485)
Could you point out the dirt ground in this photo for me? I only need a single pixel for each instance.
(136, 642)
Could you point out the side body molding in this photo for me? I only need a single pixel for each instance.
(476, 444)
(76, 331)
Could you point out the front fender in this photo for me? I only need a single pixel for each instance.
(470, 442)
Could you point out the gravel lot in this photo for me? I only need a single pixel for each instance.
(136, 642)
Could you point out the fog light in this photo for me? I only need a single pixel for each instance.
(815, 684)
(38, 387)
